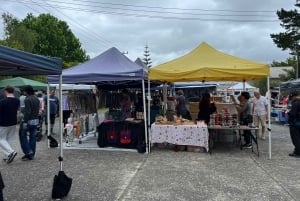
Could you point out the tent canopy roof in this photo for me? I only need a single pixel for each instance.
(240, 86)
(205, 63)
(21, 82)
(111, 65)
(291, 85)
(16, 62)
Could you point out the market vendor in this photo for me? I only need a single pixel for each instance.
(125, 104)
(206, 108)
(181, 108)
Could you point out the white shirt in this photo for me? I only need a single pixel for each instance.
(260, 106)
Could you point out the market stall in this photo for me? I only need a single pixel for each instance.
(21, 82)
(291, 85)
(205, 63)
(19, 63)
(110, 70)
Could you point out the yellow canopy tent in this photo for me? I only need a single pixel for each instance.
(205, 63)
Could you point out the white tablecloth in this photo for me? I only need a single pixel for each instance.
(180, 135)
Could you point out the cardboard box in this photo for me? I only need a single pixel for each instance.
(194, 148)
(194, 116)
(194, 107)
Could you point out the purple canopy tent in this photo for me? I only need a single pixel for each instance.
(111, 65)
(110, 68)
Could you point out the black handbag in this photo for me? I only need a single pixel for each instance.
(61, 185)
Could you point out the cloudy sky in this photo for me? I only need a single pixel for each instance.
(170, 28)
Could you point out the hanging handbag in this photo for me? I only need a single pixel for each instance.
(125, 135)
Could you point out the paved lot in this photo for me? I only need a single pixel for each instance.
(227, 174)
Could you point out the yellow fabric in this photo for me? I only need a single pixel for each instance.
(205, 63)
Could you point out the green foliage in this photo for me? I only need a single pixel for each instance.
(17, 35)
(45, 35)
(261, 84)
(290, 21)
(291, 61)
(290, 74)
(290, 39)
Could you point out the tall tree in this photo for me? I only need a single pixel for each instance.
(147, 59)
(17, 35)
(290, 39)
(55, 38)
(46, 35)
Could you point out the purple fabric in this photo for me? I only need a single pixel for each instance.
(111, 65)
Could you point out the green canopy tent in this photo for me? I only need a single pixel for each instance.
(21, 82)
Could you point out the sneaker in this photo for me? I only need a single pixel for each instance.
(248, 146)
(11, 157)
(27, 157)
(263, 137)
(294, 155)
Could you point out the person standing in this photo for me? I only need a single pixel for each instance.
(125, 104)
(260, 113)
(244, 110)
(181, 108)
(8, 120)
(206, 108)
(294, 123)
(54, 108)
(29, 123)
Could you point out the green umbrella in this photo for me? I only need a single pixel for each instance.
(21, 82)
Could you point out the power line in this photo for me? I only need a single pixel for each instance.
(92, 35)
(84, 31)
(162, 12)
(169, 8)
(151, 16)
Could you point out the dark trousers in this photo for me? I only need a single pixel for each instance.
(295, 136)
(28, 143)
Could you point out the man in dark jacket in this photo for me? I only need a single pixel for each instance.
(294, 122)
(29, 123)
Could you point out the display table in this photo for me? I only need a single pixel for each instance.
(215, 130)
(136, 129)
(180, 135)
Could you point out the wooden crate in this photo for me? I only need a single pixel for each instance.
(194, 148)
(194, 107)
(194, 115)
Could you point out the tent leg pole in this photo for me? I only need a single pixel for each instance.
(61, 121)
(269, 119)
(145, 119)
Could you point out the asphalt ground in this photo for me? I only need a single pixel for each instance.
(228, 173)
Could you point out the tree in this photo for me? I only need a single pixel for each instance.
(290, 20)
(291, 61)
(45, 35)
(17, 35)
(147, 59)
(55, 38)
(290, 74)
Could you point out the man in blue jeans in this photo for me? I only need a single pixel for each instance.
(29, 124)
(54, 108)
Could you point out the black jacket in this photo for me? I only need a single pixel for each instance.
(294, 113)
(32, 108)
